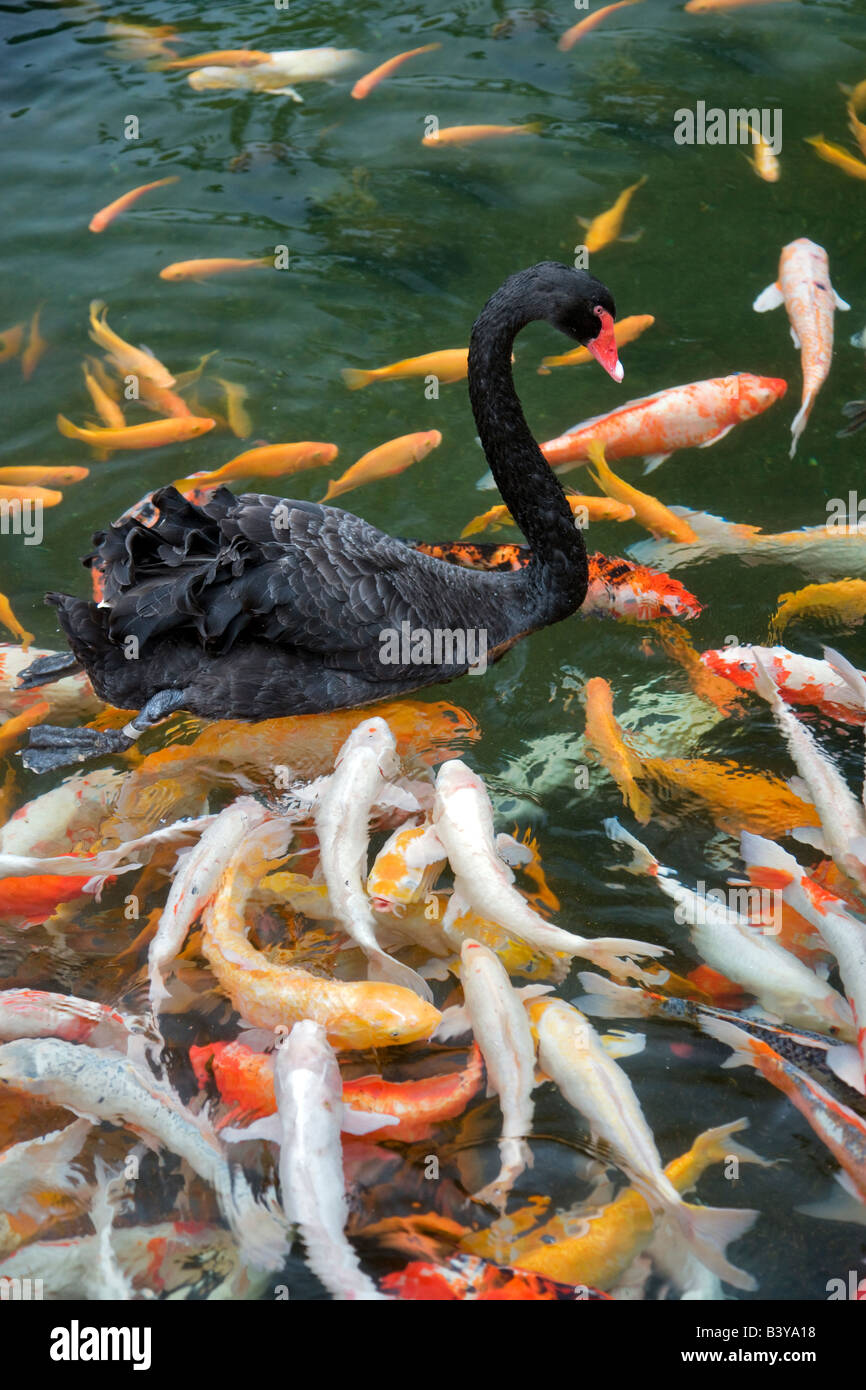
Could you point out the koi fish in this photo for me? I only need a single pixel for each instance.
(100, 220)
(8, 619)
(804, 288)
(309, 1092)
(831, 551)
(105, 406)
(857, 128)
(104, 861)
(842, 818)
(385, 461)
(619, 589)
(194, 885)
(624, 331)
(711, 6)
(72, 695)
(35, 1013)
(709, 681)
(221, 57)
(32, 898)
(354, 1014)
(364, 86)
(237, 414)
(127, 359)
(801, 680)
(589, 508)
(734, 797)
(47, 497)
(213, 265)
(139, 41)
(604, 740)
(653, 515)
(838, 155)
(42, 1165)
(765, 164)
(579, 31)
(571, 1053)
(35, 348)
(467, 134)
(162, 401)
(741, 950)
(42, 476)
(10, 342)
(342, 816)
(500, 1027)
(841, 1130)
(447, 366)
(466, 1278)
(99, 1084)
(463, 819)
(405, 869)
(266, 461)
(67, 817)
(154, 434)
(682, 417)
(12, 730)
(596, 1249)
(840, 604)
(606, 228)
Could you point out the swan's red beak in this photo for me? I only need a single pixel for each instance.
(603, 348)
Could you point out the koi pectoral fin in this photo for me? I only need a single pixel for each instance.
(770, 298)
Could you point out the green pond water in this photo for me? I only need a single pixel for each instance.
(393, 248)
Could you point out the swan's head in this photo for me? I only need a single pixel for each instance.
(584, 310)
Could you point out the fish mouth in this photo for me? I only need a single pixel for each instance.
(603, 347)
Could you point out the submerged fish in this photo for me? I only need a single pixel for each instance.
(468, 134)
(129, 360)
(467, 1278)
(804, 288)
(604, 740)
(801, 680)
(624, 331)
(154, 434)
(606, 228)
(841, 603)
(213, 265)
(681, 417)
(100, 220)
(385, 461)
(364, 86)
(266, 461)
(447, 366)
(831, 551)
(653, 515)
(838, 155)
(585, 26)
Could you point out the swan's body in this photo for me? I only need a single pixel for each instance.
(255, 606)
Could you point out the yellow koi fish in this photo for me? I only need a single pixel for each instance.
(835, 154)
(625, 331)
(35, 349)
(45, 477)
(839, 604)
(106, 408)
(128, 360)
(606, 228)
(267, 461)
(653, 515)
(100, 220)
(604, 741)
(385, 461)
(10, 342)
(467, 134)
(237, 414)
(765, 164)
(8, 619)
(151, 435)
(447, 366)
(590, 509)
(214, 265)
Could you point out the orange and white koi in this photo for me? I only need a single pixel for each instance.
(100, 220)
(841, 1130)
(804, 288)
(579, 31)
(212, 265)
(604, 740)
(624, 331)
(35, 1013)
(801, 680)
(364, 86)
(385, 461)
(468, 134)
(282, 68)
(649, 512)
(682, 417)
(153, 434)
(355, 1014)
(571, 1053)
(265, 461)
(127, 359)
(743, 951)
(607, 226)
(838, 155)
(448, 365)
(841, 603)
(405, 869)
(67, 817)
(463, 819)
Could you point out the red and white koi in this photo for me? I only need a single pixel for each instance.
(35, 1013)
(804, 288)
(800, 680)
(463, 819)
(743, 951)
(571, 1053)
(66, 818)
(680, 417)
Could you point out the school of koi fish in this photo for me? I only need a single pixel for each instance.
(345, 973)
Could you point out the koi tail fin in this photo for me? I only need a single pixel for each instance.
(385, 968)
(643, 860)
(745, 1047)
(718, 1145)
(800, 421)
(514, 1157)
(604, 999)
(355, 379)
(259, 1226)
(708, 1230)
(614, 953)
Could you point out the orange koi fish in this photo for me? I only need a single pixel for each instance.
(10, 342)
(38, 476)
(579, 31)
(653, 515)
(8, 619)
(35, 896)
(448, 366)
(222, 57)
(804, 288)
(857, 128)
(47, 496)
(35, 349)
(385, 461)
(589, 508)
(682, 417)
(364, 86)
(840, 604)
(12, 730)
(100, 220)
(606, 228)
(104, 404)
(734, 797)
(467, 1278)
(624, 331)
(127, 359)
(151, 435)
(213, 265)
(712, 6)
(709, 682)
(604, 741)
(838, 155)
(467, 134)
(267, 461)
(237, 414)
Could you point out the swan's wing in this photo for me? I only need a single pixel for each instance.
(297, 574)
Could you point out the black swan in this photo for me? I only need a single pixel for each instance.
(253, 607)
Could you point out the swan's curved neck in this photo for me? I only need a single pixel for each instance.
(530, 489)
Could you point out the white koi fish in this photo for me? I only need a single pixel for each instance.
(193, 886)
(743, 952)
(309, 1090)
(65, 818)
(99, 1084)
(35, 1013)
(463, 818)
(843, 822)
(106, 861)
(571, 1053)
(342, 819)
(279, 72)
(833, 550)
(42, 1165)
(804, 288)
